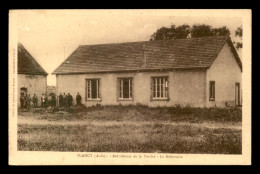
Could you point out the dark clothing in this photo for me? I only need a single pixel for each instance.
(78, 99)
(66, 101)
(69, 100)
(28, 103)
(61, 101)
(43, 101)
(22, 101)
(53, 101)
(49, 99)
(35, 101)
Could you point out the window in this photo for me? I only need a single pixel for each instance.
(92, 89)
(160, 87)
(212, 91)
(125, 88)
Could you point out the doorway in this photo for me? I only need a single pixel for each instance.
(237, 95)
(23, 94)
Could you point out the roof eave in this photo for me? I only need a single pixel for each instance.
(43, 74)
(234, 51)
(228, 40)
(137, 70)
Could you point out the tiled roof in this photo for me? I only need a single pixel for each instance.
(166, 54)
(27, 64)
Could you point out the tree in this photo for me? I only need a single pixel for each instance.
(185, 31)
(160, 34)
(222, 31)
(207, 30)
(239, 33)
(201, 31)
(180, 32)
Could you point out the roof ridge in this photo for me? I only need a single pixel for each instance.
(116, 43)
(182, 53)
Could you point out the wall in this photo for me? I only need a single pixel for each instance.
(225, 72)
(185, 87)
(51, 89)
(35, 84)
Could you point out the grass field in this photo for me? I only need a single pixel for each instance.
(132, 129)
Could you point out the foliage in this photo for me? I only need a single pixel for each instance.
(121, 137)
(132, 128)
(239, 33)
(185, 31)
(201, 31)
(173, 32)
(141, 112)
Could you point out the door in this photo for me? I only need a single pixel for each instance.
(23, 94)
(237, 94)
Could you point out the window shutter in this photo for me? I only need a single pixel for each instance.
(214, 89)
(167, 88)
(117, 88)
(86, 91)
(151, 88)
(132, 88)
(99, 91)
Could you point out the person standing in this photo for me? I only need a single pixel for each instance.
(45, 101)
(60, 100)
(65, 100)
(78, 99)
(22, 101)
(28, 102)
(69, 100)
(53, 101)
(42, 100)
(35, 101)
(49, 99)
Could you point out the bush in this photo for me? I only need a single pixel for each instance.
(211, 114)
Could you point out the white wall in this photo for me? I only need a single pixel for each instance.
(225, 72)
(35, 84)
(185, 87)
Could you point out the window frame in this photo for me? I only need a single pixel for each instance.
(98, 90)
(213, 96)
(161, 91)
(131, 89)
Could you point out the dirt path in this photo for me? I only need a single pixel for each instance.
(211, 125)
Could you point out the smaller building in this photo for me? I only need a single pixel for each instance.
(51, 90)
(32, 78)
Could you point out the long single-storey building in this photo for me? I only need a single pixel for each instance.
(200, 72)
(32, 78)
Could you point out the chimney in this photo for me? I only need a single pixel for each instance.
(144, 55)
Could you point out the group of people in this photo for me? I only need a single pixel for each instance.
(64, 100)
(25, 101)
(48, 101)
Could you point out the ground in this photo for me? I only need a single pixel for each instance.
(132, 129)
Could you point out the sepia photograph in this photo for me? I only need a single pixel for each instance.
(129, 87)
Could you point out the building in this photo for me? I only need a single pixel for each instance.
(32, 78)
(51, 90)
(200, 72)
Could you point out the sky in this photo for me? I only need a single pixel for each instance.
(52, 35)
